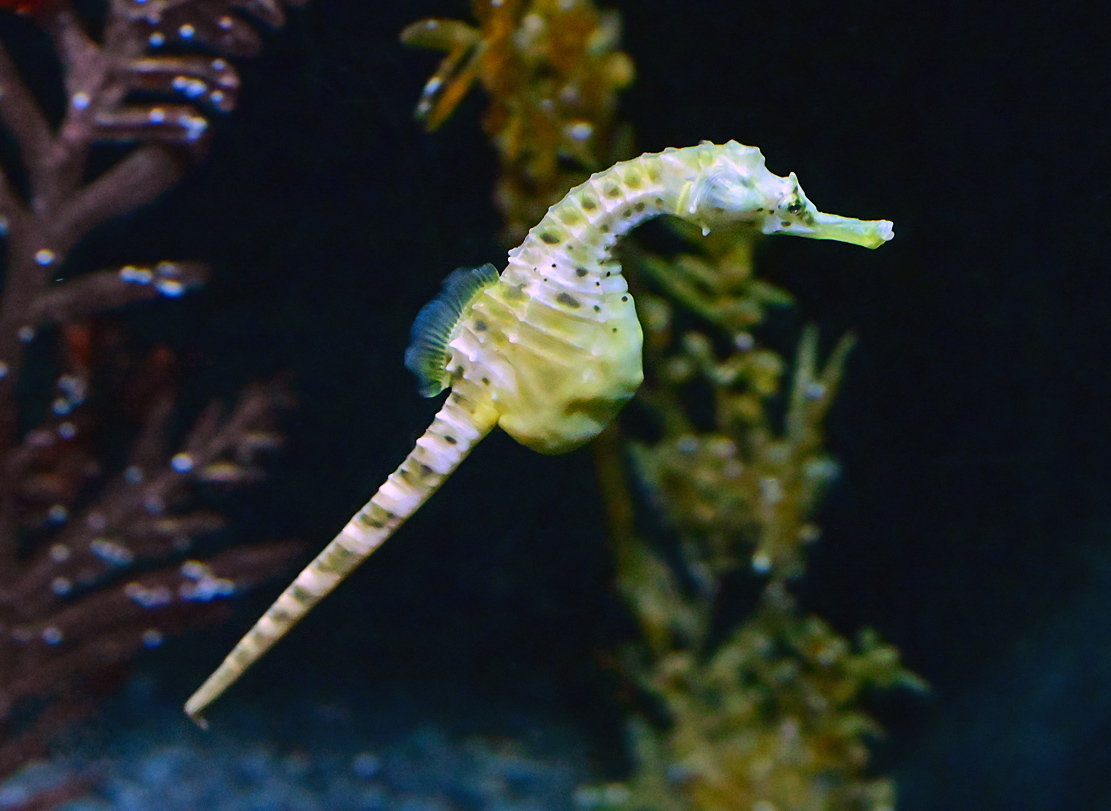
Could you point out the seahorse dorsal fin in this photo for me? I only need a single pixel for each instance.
(435, 325)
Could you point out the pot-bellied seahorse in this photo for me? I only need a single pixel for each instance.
(550, 349)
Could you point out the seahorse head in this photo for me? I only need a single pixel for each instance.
(737, 186)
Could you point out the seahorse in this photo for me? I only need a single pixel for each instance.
(550, 348)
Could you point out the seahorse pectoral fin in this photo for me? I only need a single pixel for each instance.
(459, 426)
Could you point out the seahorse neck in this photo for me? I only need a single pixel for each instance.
(582, 229)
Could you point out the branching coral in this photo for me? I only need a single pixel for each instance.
(93, 543)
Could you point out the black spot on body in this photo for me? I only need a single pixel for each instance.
(624, 298)
(549, 238)
(480, 325)
(580, 272)
(597, 309)
(568, 300)
(449, 439)
(639, 206)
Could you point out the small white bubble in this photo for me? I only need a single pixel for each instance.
(169, 287)
(156, 115)
(182, 462)
(59, 553)
(61, 407)
(744, 341)
(112, 553)
(366, 764)
(44, 256)
(761, 563)
(61, 586)
(186, 31)
(815, 391)
(26, 334)
(217, 96)
(219, 64)
(771, 490)
(57, 514)
(152, 638)
(80, 100)
(194, 570)
(52, 635)
(130, 273)
(67, 430)
(195, 126)
(157, 39)
(581, 130)
(225, 22)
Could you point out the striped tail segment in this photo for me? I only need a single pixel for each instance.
(462, 422)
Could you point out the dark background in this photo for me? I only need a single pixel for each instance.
(971, 521)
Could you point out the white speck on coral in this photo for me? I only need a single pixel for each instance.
(112, 553)
(186, 31)
(225, 22)
(182, 462)
(130, 273)
(156, 115)
(194, 570)
(195, 126)
(44, 257)
(61, 586)
(169, 287)
(761, 563)
(581, 130)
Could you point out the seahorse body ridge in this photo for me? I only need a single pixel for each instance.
(550, 349)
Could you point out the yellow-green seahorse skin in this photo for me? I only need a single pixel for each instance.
(552, 350)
